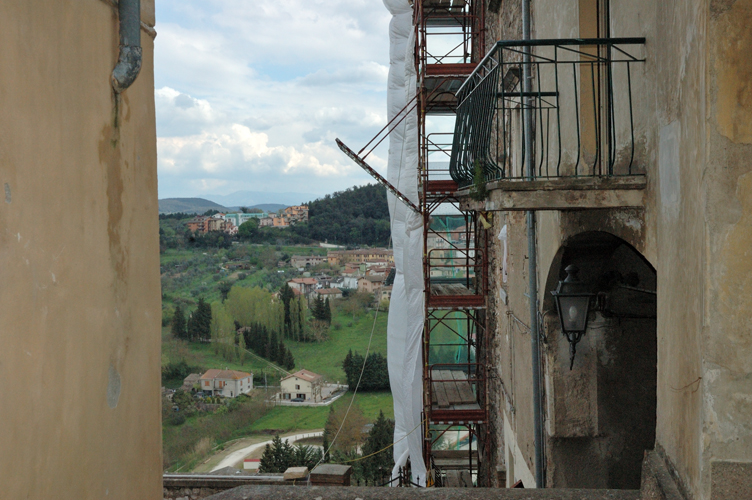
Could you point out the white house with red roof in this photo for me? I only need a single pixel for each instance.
(302, 385)
(227, 383)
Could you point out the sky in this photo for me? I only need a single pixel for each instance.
(250, 95)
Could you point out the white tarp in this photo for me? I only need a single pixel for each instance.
(405, 325)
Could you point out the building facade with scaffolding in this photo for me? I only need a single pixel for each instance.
(597, 145)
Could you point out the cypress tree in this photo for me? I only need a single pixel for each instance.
(178, 323)
(327, 311)
(273, 347)
(380, 436)
(205, 318)
(199, 323)
(287, 295)
(289, 361)
(281, 352)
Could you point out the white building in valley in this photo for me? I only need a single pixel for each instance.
(227, 383)
(302, 384)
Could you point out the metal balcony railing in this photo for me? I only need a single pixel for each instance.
(581, 105)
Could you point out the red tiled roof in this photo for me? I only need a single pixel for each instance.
(305, 375)
(224, 374)
(304, 281)
(329, 291)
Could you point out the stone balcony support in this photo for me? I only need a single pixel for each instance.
(560, 194)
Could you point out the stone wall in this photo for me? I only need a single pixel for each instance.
(692, 112)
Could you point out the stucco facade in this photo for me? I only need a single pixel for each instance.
(302, 384)
(226, 383)
(80, 292)
(687, 245)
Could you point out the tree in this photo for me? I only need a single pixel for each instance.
(286, 295)
(178, 323)
(199, 324)
(306, 456)
(248, 230)
(375, 373)
(318, 308)
(379, 438)
(281, 353)
(289, 361)
(351, 433)
(224, 288)
(327, 311)
(389, 281)
(223, 331)
(182, 400)
(277, 457)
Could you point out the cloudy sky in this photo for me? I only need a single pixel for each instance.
(250, 95)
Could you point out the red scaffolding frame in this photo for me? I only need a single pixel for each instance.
(449, 43)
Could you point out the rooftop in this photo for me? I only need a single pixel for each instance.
(305, 375)
(215, 373)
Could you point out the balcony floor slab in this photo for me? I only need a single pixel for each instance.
(560, 194)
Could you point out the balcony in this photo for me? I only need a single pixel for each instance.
(589, 146)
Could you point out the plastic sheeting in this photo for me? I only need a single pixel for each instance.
(405, 324)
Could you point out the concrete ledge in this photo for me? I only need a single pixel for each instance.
(354, 493)
(224, 482)
(560, 194)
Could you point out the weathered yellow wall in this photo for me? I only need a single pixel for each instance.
(693, 113)
(79, 259)
(727, 202)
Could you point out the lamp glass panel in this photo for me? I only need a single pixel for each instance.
(574, 313)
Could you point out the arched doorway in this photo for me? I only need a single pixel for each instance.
(601, 414)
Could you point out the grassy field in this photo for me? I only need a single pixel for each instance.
(282, 419)
(326, 357)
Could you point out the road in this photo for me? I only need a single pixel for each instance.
(236, 456)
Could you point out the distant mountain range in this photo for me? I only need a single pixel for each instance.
(188, 206)
(200, 205)
(254, 198)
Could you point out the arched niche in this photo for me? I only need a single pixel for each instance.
(601, 414)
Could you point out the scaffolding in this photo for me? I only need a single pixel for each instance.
(449, 45)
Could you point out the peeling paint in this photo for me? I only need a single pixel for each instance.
(8, 198)
(113, 387)
(734, 71)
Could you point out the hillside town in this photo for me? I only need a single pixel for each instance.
(230, 222)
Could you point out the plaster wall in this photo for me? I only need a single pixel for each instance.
(726, 238)
(79, 290)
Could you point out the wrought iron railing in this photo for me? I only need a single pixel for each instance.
(581, 102)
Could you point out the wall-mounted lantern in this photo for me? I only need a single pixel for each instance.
(573, 303)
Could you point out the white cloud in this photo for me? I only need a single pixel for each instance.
(253, 94)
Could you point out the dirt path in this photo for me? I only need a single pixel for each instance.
(237, 456)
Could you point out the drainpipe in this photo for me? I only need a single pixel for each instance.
(531, 249)
(129, 61)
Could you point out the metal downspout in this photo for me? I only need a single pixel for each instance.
(531, 249)
(129, 60)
